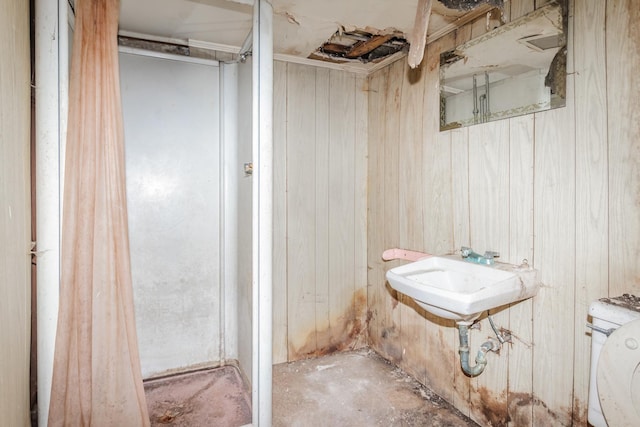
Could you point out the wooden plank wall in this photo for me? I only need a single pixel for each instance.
(560, 189)
(320, 236)
(15, 216)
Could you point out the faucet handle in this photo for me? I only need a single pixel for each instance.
(491, 254)
(465, 251)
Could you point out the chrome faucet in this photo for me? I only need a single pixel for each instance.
(487, 259)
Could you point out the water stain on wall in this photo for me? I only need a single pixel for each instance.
(388, 344)
(579, 413)
(347, 331)
(526, 409)
(493, 408)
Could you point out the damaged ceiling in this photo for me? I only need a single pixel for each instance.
(360, 32)
(364, 45)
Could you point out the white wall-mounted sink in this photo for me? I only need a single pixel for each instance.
(460, 290)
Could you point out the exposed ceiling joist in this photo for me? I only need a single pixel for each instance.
(363, 47)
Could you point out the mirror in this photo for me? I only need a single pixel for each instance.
(518, 68)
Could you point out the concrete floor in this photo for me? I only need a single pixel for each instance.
(351, 389)
(355, 389)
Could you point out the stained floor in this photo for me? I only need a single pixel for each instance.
(213, 397)
(355, 389)
(350, 389)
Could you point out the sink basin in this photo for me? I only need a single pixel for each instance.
(459, 290)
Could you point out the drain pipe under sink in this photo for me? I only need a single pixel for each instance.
(481, 359)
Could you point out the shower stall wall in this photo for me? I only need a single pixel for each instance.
(187, 136)
(171, 110)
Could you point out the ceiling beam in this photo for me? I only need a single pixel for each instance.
(364, 47)
(419, 34)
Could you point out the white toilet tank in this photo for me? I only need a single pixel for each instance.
(607, 313)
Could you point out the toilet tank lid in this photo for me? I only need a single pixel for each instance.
(618, 310)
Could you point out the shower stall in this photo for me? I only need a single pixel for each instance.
(199, 225)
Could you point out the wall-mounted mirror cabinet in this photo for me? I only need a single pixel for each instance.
(516, 69)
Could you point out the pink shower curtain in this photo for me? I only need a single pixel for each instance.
(96, 375)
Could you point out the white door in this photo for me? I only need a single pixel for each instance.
(172, 140)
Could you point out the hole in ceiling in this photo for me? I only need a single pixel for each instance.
(360, 46)
(470, 4)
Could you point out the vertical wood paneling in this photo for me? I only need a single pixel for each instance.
(360, 206)
(460, 186)
(554, 256)
(489, 212)
(301, 205)
(413, 331)
(460, 203)
(280, 312)
(410, 159)
(341, 203)
(437, 211)
(320, 264)
(488, 186)
(555, 239)
(376, 295)
(437, 202)
(390, 318)
(592, 268)
(442, 338)
(322, 198)
(521, 146)
(15, 217)
(441, 335)
(623, 83)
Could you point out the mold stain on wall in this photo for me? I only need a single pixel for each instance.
(389, 337)
(524, 409)
(347, 331)
(542, 414)
(492, 407)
